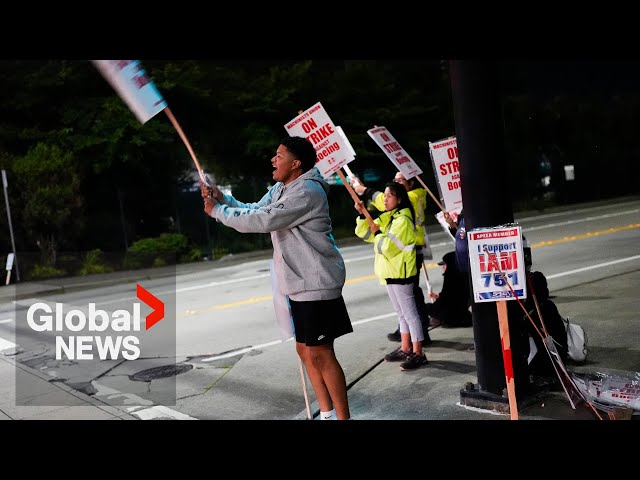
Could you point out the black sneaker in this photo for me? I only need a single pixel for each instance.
(414, 361)
(397, 355)
(395, 336)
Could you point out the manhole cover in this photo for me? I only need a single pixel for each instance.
(160, 372)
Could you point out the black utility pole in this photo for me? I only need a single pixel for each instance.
(486, 199)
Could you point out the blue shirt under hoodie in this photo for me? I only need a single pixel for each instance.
(307, 262)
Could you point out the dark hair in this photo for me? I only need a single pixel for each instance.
(539, 285)
(301, 149)
(401, 194)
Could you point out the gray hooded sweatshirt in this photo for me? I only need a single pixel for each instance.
(307, 261)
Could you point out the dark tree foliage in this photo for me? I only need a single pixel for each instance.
(130, 181)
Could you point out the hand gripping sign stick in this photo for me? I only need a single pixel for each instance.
(399, 157)
(356, 182)
(405, 164)
(130, 81)
(424, 265)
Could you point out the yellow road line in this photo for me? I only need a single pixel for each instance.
(429, 266)
(226, 305)
(585, 235)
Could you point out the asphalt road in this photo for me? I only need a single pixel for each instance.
(218, 354)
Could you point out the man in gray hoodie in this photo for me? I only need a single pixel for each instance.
(308, 265)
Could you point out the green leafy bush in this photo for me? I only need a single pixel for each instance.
(158, 251)
(94, 262)
(40, 272)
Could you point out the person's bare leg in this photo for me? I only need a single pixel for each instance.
(316, 378)
(406, 342)
(324, 359)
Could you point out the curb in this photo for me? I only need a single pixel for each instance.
(70, 391)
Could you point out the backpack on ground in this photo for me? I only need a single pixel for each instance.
(577, 342)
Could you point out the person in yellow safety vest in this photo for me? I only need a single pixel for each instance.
(393, 236)
(418, 198)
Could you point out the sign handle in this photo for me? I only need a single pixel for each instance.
(426, 277)
(186, 142)
(429, 192)
(503, 318)
(355, 197)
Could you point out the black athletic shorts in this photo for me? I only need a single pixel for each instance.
(319, 322)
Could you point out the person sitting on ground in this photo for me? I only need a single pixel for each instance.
(451, 306)
(541, 364)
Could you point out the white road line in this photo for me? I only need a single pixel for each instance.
(4, 344)
(592, 267)
(371, 319)
(277, 342)
(581, 220)
(387, 315)
(238, 280)
(186, 289)
(6, 320)
(245, 350)
(570, 212)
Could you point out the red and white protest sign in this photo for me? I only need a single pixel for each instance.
(494, 250)
(444, 156)
(315, 125)
(398, 156)
(129, 79)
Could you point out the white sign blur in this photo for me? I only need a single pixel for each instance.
(346, 142)
(443, 223)
(130, 81)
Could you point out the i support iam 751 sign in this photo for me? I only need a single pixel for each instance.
(497, 263)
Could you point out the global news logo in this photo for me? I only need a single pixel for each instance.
(115, 333)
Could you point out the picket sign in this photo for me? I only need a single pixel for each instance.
(399, 157)
(130, 81)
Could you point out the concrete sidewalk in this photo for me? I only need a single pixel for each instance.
(41, 398)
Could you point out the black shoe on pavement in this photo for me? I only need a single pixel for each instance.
(395, 336)
(398, 355)
(414, 361)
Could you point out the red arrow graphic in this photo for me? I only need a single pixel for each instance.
(154, 302)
